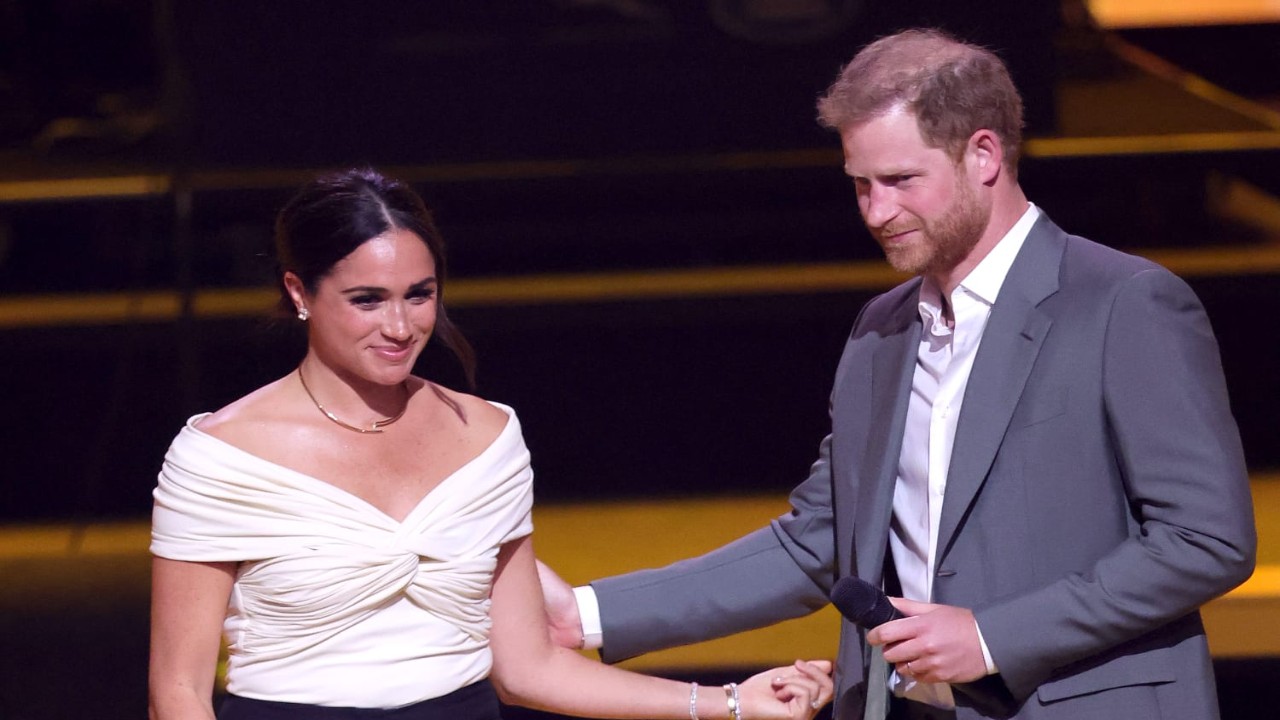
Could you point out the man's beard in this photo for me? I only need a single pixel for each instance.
(944, 242)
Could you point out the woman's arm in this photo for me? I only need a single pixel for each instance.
(529, 670)
(188, 604)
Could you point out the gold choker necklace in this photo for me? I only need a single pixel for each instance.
(377, 424)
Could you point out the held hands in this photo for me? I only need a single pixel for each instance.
(933, 644)
(794, 693)
(563, 620)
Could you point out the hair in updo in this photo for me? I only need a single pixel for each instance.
(336, 213)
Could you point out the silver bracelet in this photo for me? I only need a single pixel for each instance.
(693, 701)
(735, 704)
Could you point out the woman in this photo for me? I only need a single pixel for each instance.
(362, 536)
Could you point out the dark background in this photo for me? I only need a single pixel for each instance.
(618, 398)
(550, 136)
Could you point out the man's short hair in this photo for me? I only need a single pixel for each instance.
(953, 89)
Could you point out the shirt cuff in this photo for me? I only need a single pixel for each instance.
(589, 613)
(986, 653)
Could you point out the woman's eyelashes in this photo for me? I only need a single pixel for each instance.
(417, 296)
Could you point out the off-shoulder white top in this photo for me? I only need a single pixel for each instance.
(334, 602)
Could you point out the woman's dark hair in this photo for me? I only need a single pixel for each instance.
(336, 213)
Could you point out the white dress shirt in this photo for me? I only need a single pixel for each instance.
(943, 363)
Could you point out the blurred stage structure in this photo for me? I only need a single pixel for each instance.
(653, 248)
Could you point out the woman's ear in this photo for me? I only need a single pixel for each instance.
(293, 285)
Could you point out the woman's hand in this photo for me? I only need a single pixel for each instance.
(793, 693)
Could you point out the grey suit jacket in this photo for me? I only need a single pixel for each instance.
(1097, 496)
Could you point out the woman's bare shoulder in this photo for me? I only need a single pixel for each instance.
(253, 419)
(478, 415)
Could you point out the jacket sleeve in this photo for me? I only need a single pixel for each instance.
(1180, 459)
(776, 573)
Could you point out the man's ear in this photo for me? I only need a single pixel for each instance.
(985, 154)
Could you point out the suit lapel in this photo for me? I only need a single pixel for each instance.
(893, 365)
(1010, 343)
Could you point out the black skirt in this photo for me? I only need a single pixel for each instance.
(473, 702)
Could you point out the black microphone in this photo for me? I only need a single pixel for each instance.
(868, 606)
(863, 603)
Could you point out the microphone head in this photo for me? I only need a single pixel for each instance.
(862, 602)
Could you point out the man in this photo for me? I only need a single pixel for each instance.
(1030, 441)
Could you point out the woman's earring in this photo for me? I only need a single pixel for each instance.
(303, 314)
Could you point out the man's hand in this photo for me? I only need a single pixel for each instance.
(791, 693)
(563, 621)
(934, 643)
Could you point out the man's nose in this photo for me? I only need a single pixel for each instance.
(878, 207)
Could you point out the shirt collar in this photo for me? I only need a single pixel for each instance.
(983, 283)
(985, 280)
